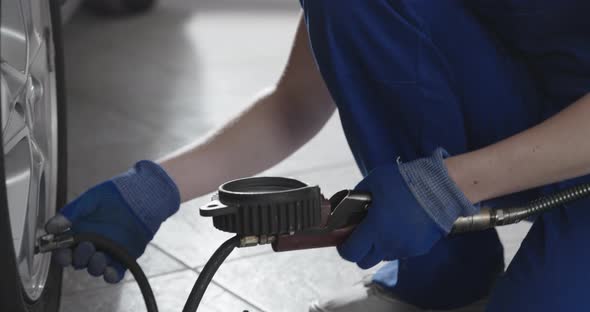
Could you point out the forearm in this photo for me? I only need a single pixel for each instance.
(552, 151)
(277, 124)
(269, 131)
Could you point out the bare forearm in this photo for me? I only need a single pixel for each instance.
(282, 119)
(266, 133)
(552, 151)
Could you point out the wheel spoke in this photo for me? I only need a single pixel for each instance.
(34, 98)
(16, 130)
(15, 81)
(37, 165)
(35, 23)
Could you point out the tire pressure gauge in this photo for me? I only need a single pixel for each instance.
(286, 213)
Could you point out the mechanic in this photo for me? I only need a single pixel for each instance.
(447, 106)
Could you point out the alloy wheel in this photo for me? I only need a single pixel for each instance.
(29, 131)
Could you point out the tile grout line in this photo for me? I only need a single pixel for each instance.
(223, 288)
(123, 282)
(186, 266)
(198, 271)
(237, 295)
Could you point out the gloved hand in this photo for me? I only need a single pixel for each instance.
(127, 209)
(413, 206)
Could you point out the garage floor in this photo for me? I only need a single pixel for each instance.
(141, 87)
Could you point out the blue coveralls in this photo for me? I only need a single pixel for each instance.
(410, 76)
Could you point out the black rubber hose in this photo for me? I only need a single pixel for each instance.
(206, 275)
(121, 255)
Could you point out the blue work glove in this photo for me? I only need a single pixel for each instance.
(413, 206)
(127, 209)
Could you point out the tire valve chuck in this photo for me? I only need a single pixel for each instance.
(50, 242)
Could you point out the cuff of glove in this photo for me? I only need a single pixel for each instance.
(429, 181)
(150, 192)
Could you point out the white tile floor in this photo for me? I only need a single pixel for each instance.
(143, 86)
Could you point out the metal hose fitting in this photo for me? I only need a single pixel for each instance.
(488, 218)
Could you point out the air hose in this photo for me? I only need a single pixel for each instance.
(66, 240)
(52, 242)
(333, 226)
(489, 218)
(208, 272)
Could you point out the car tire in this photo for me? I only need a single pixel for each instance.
(12, 296)
(119, 7)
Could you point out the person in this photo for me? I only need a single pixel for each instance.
(447, 106)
